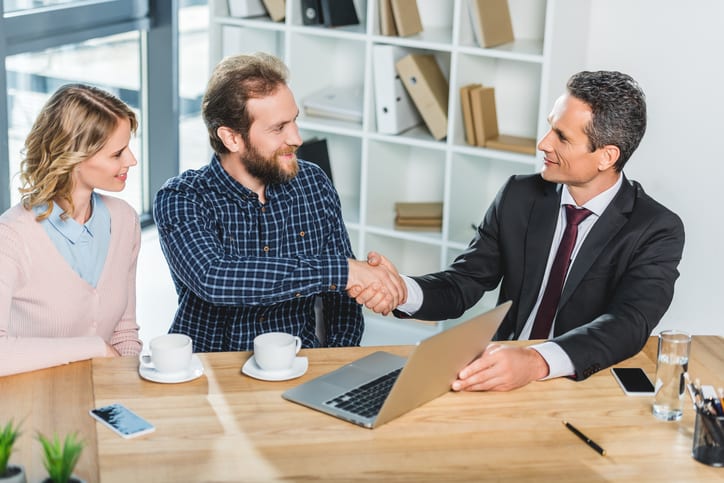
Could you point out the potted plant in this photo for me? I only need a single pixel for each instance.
(60, 458)
(9, 473)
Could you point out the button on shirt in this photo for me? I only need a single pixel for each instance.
(84, 246)
(242, 268)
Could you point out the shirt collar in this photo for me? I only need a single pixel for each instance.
(598, 203)
(69, 228)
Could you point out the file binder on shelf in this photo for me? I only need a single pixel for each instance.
(395, 111)
(407, 17)
(315, 151)
(491, 22)
(312, 12)
(387, 19)
(276, 9)
(336, 13)
(428, 89)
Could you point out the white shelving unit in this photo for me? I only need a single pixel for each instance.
(372, 171)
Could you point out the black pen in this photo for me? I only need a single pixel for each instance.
(585, 438)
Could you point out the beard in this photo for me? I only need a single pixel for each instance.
(270, 170)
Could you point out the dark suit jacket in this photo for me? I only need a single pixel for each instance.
(619, 286)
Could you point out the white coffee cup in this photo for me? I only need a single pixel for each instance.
(169, 353)
(276, 351)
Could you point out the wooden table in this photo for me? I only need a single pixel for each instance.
(225, 426)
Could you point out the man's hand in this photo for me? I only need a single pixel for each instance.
(502, 368)
(376, 284)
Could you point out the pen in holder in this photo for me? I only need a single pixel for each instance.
(708, 444)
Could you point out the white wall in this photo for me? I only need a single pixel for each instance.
(675, 50)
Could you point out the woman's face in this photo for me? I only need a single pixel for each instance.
(108, 168)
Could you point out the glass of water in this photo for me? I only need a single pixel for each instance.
(671, 365)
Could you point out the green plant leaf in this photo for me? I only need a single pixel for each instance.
(60, 458)
(8, 434)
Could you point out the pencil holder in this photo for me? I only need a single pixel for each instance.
(708, 444)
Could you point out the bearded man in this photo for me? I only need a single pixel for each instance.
(255, 237)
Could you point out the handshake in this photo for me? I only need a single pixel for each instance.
(376, 284)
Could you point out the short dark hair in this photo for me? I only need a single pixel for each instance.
(233, 82)
(618, 105)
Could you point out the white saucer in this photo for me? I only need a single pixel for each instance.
(299, 367)
(195, 370)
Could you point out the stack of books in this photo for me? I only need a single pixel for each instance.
(399, 18)
(340, 103)
(424, 216)
(480, 120)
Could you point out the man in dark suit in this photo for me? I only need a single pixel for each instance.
(620, 281)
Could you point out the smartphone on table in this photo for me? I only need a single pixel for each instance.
(122, 420)
(633, 381)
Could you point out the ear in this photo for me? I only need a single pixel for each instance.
(231, 139)
(609, 156)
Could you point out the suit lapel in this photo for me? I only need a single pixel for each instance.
(611, 221)
(541, 226)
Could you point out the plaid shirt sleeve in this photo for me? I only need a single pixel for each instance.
(200, 260)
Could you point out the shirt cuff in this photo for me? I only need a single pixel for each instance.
(559, 364)
(414, 296)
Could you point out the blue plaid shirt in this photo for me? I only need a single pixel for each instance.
(242, 268)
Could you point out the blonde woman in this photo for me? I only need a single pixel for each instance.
(67, 253)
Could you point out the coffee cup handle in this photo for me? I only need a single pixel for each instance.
(146, 360)
(298, 343)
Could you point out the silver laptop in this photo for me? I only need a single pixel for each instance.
(382, 386)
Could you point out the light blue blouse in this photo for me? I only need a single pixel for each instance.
(85, 246)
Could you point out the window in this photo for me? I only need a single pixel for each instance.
(111, 63)
(108, 43)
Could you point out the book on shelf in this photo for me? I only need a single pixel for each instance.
(428, 89)
(418, 216)
(341, 103)
(516, 144)
(467, 110)
(395, 111)
(485, 117)
(246, 8)
(485, 122)
(312, 12)
(406, 15)
(491, 22)
(315, 151)
(336, 13)
(276, 9)
(387, 19)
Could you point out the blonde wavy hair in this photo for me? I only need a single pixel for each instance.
(74, 124)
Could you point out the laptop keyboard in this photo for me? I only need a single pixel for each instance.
(366, 400)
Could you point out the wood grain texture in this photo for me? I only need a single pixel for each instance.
(226, 426)
(51, 401)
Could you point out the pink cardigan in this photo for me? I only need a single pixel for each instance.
(48, 314)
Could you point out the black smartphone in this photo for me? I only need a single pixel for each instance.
(633, 381)
(122, 420)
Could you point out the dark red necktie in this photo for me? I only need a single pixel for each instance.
(552, 295)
